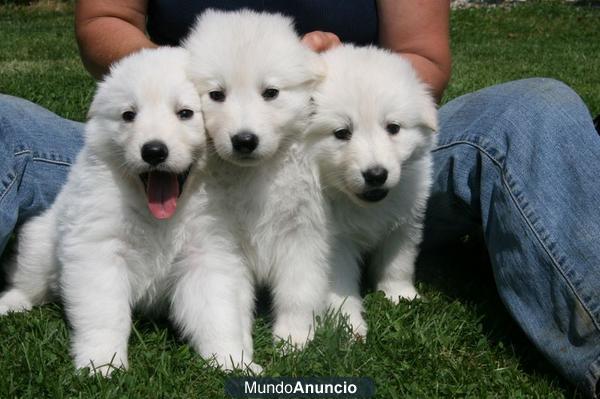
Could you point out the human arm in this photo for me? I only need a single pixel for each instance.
(108, 30)
(419, 31)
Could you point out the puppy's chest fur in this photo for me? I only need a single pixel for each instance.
(152, 250)
(364, 226)
(264, 205)
(111, 217)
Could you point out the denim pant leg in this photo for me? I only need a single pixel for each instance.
(36, 149)
(522, 159)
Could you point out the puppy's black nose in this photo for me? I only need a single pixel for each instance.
(155, 152)
(375, 176)
(244, 142)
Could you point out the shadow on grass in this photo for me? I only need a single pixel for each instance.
(2, 276)
(461, 270)
(8, 252)
(587, 3)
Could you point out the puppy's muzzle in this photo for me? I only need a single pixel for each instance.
(375, 177)
(162, 187)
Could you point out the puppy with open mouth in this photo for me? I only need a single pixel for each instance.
(371, 133)
(120, 233)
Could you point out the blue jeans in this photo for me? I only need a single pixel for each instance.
(36, 149)
(521, 159)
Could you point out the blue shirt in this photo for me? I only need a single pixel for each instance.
(354, 21)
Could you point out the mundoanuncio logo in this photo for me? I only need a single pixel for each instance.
(301, 387)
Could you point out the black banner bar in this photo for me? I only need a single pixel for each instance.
(301, 387)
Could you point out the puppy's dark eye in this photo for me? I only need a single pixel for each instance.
(392, 128)
(185, 114)
(128, 116)
(217, 95)
(343, 134)
(270, 94)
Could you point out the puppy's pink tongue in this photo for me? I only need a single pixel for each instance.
(162, 192)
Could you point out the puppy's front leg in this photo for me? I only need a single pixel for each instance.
(299, 288)
(210, 305)
(344, 295)
(96, 293)
(393, 263)
(32, 273)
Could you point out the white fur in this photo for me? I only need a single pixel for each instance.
(101, 249)
(270, 199)
(366, 89)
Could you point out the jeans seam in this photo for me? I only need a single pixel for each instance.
(13, 178)
(537, 235)
(42, 159)
(7, 189)
(52, 161)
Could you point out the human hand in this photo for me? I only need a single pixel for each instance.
(321, 41)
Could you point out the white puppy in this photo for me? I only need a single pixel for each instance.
(256, 78)
(118, 235)
(371, 133)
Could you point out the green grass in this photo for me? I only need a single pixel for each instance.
(545, 39)
(459, 341)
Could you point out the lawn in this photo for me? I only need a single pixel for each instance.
(458, 341)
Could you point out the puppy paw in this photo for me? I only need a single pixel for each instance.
(294, 334)
(229, 364)
(397, 291)
(358, 327)
(100, 361)
(14, 300)
(228, 358)
(355, 321)
(104, 370)
(253, 369)
(351, 309)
